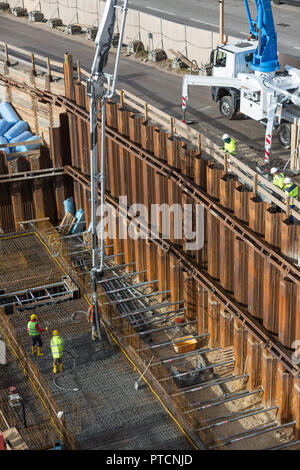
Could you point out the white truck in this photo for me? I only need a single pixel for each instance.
(245, 78)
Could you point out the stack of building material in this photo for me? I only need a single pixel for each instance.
(73, 222)
(14, 130)
(67, 223)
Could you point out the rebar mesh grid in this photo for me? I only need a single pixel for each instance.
(105, 411)
(39, 432)
(24, 263)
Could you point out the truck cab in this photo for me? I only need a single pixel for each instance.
(228, 60)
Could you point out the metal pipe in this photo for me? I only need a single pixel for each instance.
(199, 370)
(113, 256)
(119, 50)
(283, 446)
(258, 431)
(118, 266)
(255, 412)
(148, 309)
(230, 415)
(179, 357)
(129, 287)
(232, 397)
(161, 317)
(120, 277)
(135, 298)
(161, 345)
(160, 329)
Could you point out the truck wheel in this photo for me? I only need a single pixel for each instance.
(226, 107)
(284, 135)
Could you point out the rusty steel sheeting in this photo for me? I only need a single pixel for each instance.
(187, 185)
(201, 276)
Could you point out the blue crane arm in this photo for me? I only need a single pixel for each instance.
(265, 58)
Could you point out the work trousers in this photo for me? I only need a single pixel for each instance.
(57, 360)
(37, 339)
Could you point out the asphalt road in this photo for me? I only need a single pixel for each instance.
(204, 14)
(149, 82)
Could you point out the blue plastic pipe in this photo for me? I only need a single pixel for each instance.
(16, 130)
(5, 125)
(7, 112)
(3, 141)
(69, 205)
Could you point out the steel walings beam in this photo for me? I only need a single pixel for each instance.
(250, 433)
(202, 277)
(260, 246)
(188, 186)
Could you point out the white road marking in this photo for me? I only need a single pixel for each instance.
(205, 22)
(161, 11)
(206, 107)
(246, 34)
(295, 47)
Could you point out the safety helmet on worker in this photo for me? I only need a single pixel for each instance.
(226, 136)
(273, 170)
(287, 181)
(33, 317)
(55, 333)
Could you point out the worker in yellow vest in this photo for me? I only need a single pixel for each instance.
(291, 189)
(34, 332)
(229, 145)
(57, 349)
(278, 177)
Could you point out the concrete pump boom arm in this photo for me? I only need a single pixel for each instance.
(195, 80)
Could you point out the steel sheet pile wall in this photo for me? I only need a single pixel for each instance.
(40, 198)
(242, 286)
(242, 273)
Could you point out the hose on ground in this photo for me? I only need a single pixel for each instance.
(63, 375)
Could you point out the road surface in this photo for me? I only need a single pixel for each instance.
(149, 82)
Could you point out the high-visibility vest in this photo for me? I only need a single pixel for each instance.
(230, 147)
(57, 346)
(292, 190)
(278, 180)
(32, 328)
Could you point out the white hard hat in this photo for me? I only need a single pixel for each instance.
(226, 136)
(287, 180)
(273, 170)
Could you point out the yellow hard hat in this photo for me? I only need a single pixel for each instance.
(33, 317)
(55, 333)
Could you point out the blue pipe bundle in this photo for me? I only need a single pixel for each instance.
(8, 113)
(16, 129)
(4, 126)
(3, 140)
(30, 146)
